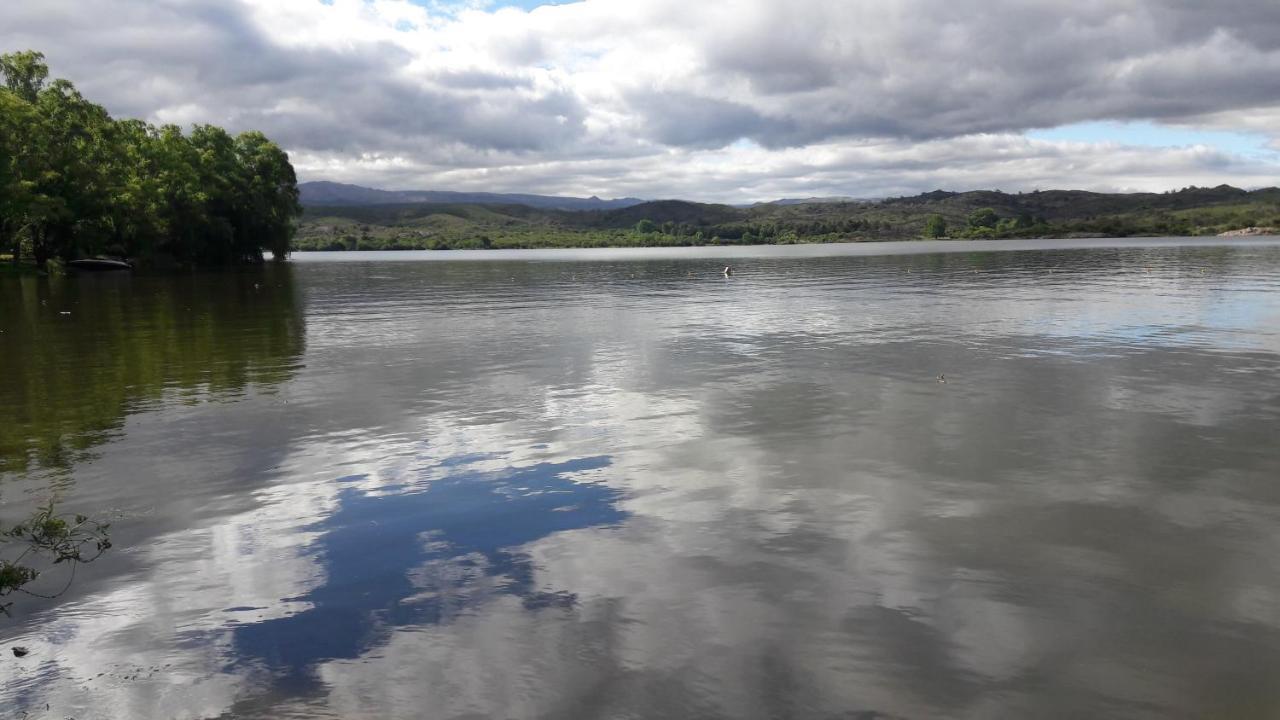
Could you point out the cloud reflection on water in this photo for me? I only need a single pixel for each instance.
(416, 555)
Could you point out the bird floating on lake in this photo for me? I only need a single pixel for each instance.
(728, 271)
(942, 379)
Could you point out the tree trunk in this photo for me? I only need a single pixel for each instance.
(40, 247)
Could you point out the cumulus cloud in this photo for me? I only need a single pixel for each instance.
(664, 98)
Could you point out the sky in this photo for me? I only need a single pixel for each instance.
(725, 101)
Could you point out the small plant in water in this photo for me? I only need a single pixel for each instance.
(48, 538)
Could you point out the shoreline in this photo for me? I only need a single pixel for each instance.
(1245, 233)
(797, 250)
(706, 251)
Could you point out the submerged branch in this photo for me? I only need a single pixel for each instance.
(53, 539)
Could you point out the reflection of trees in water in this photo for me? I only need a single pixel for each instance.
(78, 354)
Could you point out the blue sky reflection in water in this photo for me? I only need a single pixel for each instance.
(467, 526)
(617, 483)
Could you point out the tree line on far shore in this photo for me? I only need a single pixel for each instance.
(74, 182)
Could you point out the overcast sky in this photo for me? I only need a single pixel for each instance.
(719, 100)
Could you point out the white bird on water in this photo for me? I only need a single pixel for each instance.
(728, 271)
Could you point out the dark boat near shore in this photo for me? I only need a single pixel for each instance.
(98, 265)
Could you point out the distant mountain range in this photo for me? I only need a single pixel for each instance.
(382, 220)
(812, 201)
(332, 194)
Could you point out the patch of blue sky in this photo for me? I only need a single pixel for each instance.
(1143, 133)
(524, 4)
(484, 4)
(450, 8)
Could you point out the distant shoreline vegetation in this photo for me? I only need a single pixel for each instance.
(76, 183)
(1191, 211)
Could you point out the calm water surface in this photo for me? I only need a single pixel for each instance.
(619, 485)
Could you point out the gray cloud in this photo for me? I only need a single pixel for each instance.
(687, 120)
(481, 80)
(928, 69)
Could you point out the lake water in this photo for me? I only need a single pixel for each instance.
(616, 484)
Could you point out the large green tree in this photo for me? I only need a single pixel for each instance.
(272, 196)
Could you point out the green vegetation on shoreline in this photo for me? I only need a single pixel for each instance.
(980, 214)
(74, 182)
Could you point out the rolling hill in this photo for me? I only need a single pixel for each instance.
(987, 214)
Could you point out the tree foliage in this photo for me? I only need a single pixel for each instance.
(983, 218)
(75, 182)
(24, 73)
(935, 226)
